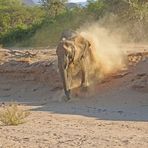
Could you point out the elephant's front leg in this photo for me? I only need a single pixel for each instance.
(67, 89)
(66, 84)
(69, 78)
(64, 76)
(84, 82)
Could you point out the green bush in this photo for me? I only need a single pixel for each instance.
(18, 21)
(13, 115)
(21, 25)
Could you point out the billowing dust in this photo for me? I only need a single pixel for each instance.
(108, 55)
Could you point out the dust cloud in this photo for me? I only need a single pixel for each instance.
(109, 57)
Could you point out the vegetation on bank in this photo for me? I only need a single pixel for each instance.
(13, 115)
(41, 25)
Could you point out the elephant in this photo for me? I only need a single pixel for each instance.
(73, 52)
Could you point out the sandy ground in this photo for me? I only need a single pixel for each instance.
(111, 114)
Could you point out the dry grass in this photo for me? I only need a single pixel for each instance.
(13, 115)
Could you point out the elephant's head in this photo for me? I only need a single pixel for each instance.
(69, 50)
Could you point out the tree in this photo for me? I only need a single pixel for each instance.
(96, 7)
(53, 7)
(140, 8)
(16, 19)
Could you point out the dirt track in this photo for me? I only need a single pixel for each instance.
(112, 114)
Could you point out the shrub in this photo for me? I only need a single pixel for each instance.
(13, 115)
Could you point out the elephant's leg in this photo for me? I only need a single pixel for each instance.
(64, 77)
(69, 78)
(84, 81)
(68, 85)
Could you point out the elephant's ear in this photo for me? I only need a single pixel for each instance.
(82, 42)
(82, 46)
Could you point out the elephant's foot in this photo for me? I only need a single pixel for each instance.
(84, 86)
(64, 99)
(67, 93)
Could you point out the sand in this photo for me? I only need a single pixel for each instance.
(111, 114)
